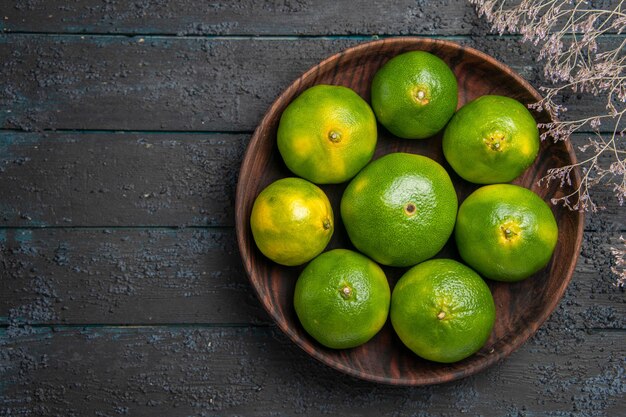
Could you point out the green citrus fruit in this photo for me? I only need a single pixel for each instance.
(342, 298)
(400, 209)
(442, 310)
(505, 232)
(414, 95)
(292, 221)
(490, 140)
(327, 134)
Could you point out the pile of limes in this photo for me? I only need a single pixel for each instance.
(401, 209)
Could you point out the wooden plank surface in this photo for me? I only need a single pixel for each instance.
(121, 179)
(124, 276)
(165, 83)
(141, 179)
(137, 276)
(109, 371)
(121, 288)
(249, 17)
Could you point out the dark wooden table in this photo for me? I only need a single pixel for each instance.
(123, 125)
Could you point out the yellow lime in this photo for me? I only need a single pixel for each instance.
(327, 134)
(292, 221)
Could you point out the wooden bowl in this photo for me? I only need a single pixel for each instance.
(520, 307)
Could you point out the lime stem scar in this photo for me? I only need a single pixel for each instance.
(326, 224)
(421, 98)
(334, 136)
(441, 315)
(494, 141)
(346, 292)
(410, 209)
(508, 233)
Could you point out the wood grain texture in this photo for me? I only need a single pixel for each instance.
(123, 276)
(259, 372)
(248, 17)
(521, 307)
(200, 84)
(176, 276)
(120, 179)
(245, 17)
(144, 179)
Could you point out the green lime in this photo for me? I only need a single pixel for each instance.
(505, 232)
(442, 310)
(414, 95)
(327, 134)
(342, 298)
(292, 221)
(400, 209)
(490, 140)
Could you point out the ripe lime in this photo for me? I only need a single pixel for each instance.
(442, 310)
(414, 95)
(400, 209)
(342, 299)
(490, 140)
(505, 232)
(327, 134)
(292, 221)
